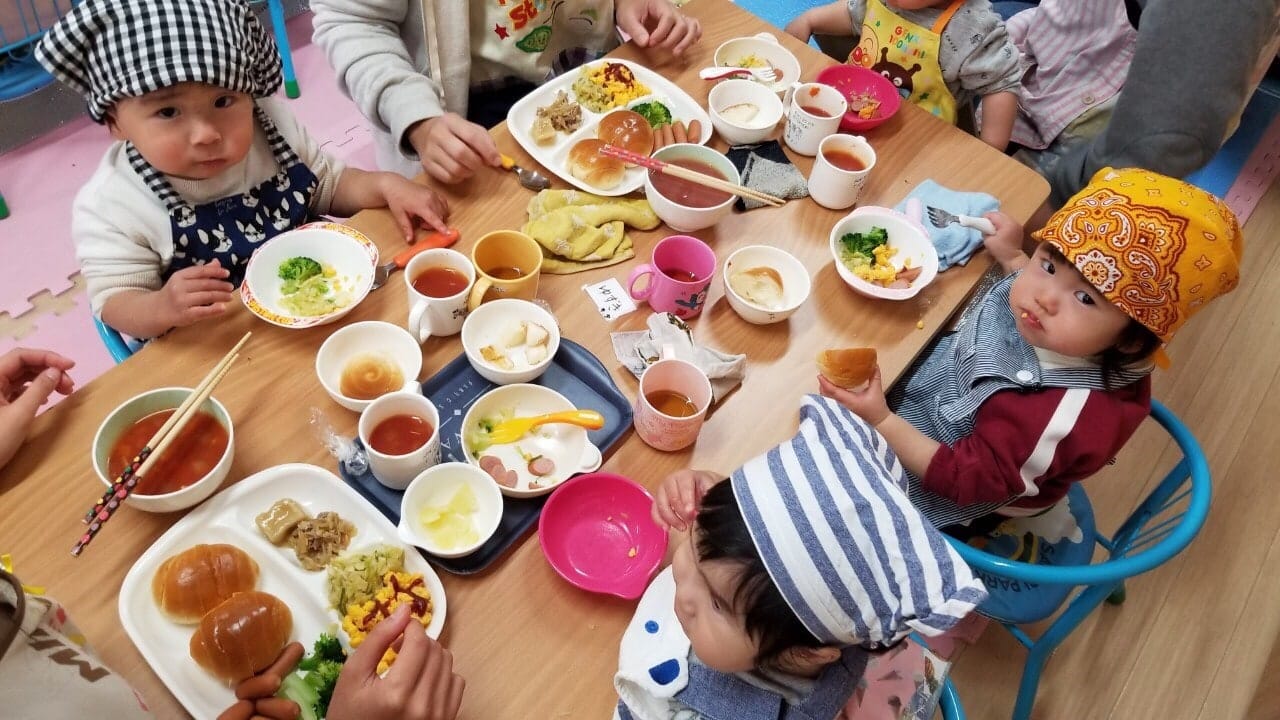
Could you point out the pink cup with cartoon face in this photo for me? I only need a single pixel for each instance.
(679, 276)
(672, 403)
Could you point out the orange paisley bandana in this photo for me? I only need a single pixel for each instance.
(1156, 247)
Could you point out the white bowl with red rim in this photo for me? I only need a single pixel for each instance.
(352, 256)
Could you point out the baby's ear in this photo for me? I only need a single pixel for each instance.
(110, 121)
(805, 660)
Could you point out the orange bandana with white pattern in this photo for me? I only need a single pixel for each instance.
(1156, 247)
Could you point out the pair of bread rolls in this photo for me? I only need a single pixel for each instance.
(622, 128)
(241, 630)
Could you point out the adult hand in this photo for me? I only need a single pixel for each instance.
(657, 23)
(27, 377)
(407, 200)
(195, 293)
(451, 148)
(676, 502)
(867, 402)
(1005, 244)
(420, 685)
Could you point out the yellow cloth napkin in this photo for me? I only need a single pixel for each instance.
(579, 231)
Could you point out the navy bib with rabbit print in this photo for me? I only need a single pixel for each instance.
(230, 229)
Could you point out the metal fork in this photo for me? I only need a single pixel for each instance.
(382, 273)
(764, 74)
(941, 218)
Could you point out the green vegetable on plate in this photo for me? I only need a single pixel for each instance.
(298, 268)
(859, 248)
(311, 685)
(655, 112)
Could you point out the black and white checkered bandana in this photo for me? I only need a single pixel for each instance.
(112, 49)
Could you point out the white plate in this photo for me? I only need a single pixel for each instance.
(352, 256)
(553, 156)
(228, 518)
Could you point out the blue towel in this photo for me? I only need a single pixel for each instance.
(955, 242)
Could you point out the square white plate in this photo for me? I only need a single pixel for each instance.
(228, 517)
(553, 156)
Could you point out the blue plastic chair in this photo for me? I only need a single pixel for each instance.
(1151, 535)
(276, 9)
(949, 703)
(119, 348)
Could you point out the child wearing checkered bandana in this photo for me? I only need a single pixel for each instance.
(206, 167)
(1050, 375)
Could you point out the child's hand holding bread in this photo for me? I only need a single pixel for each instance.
(851, 377)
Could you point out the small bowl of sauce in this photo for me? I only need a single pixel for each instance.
(366, 360)
(683, 205)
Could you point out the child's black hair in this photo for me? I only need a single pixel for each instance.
(722, 534)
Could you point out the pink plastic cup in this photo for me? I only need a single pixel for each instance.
(669, 378)
(679, 276)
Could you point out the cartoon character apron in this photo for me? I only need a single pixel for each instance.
(229, 229)
(907, 54)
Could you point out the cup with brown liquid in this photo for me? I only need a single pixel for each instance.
(507, 265)
(399, 432)
(672, 403)
(679, 276)
(438, 281)
(814, 111)
(840, 171)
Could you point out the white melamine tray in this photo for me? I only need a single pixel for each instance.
(553, 156)
(228, 517)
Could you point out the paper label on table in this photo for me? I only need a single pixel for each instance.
(610, 299)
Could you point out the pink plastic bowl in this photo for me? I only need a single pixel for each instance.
(853, 80)
(597, 533)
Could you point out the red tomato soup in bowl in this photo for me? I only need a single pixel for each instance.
(190, 469)
(685, 205)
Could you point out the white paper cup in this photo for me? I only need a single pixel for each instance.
(836, 187)
(814, 111)
(442, 316)
(397, 471)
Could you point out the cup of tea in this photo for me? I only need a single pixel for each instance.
(679, 276)
(507, 265)
(438, 281)
(400, 435)
(840, 170)
(814, 111)
(672, 403)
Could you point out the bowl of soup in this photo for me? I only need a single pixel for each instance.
(684, 205)
(190, 470)
(366, 360)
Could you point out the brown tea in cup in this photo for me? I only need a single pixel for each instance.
(671, 403)
(844, 160)
(439, 281)
(400, 434)
(505, 272)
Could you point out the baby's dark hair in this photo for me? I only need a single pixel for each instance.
(722, 534)
(1136, 343)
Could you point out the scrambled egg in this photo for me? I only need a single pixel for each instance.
(608, 85)
(880, 270)
(750, 61)
(397, 588)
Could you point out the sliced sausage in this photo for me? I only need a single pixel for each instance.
(695, 131)
(242, 710)
(542, 465)
(278, 708)
(910, 274)
(489, 463)
(508, 479)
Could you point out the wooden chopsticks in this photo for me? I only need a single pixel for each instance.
(693, 176)
(155, 447)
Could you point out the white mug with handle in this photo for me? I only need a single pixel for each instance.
(814, 111)
(438, 281)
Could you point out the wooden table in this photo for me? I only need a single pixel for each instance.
(529, 644)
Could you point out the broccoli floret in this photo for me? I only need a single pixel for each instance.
(327, 647)
(323, 679)
(864, 243)
(655, 112)
(298, 269)
(297, 689)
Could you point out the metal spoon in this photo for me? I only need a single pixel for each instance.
(531, 179)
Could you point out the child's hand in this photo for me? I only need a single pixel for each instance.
(408, 200)
(657, 23)
(1005, 245)
(195, 293)
(867, 402)
(27, 378)
(451, 148)
(676, 502)
(799, 28)
(421, 685)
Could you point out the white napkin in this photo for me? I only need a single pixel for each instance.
(639, 349)
(653, 660)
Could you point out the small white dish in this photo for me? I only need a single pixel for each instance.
(766, 47)
(372, 337)
(796, 283)
(906, 235)
(491, 324)
(729, 93)
(139, 406)
(567, 446)
(352, 256)
(436, 486)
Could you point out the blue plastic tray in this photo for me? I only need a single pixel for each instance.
(574, 373)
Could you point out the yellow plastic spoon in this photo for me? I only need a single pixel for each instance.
(515, 428)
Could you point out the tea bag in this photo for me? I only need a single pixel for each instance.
(345, 449)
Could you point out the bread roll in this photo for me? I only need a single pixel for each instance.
(628, 130)
(848, 368)
(196, 580)
(588, 165)
(242, 636)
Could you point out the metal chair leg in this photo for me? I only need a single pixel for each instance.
(276, 8)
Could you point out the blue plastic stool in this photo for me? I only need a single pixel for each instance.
(1154, 533)
(119, 348)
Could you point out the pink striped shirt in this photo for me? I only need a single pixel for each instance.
(1075, 54)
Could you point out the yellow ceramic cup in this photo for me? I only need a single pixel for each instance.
(508, 263)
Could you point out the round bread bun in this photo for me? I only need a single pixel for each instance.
(848, 368)
(588, 165)
(628, 130)
(198, 579)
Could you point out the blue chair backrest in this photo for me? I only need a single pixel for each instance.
(117, 346)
